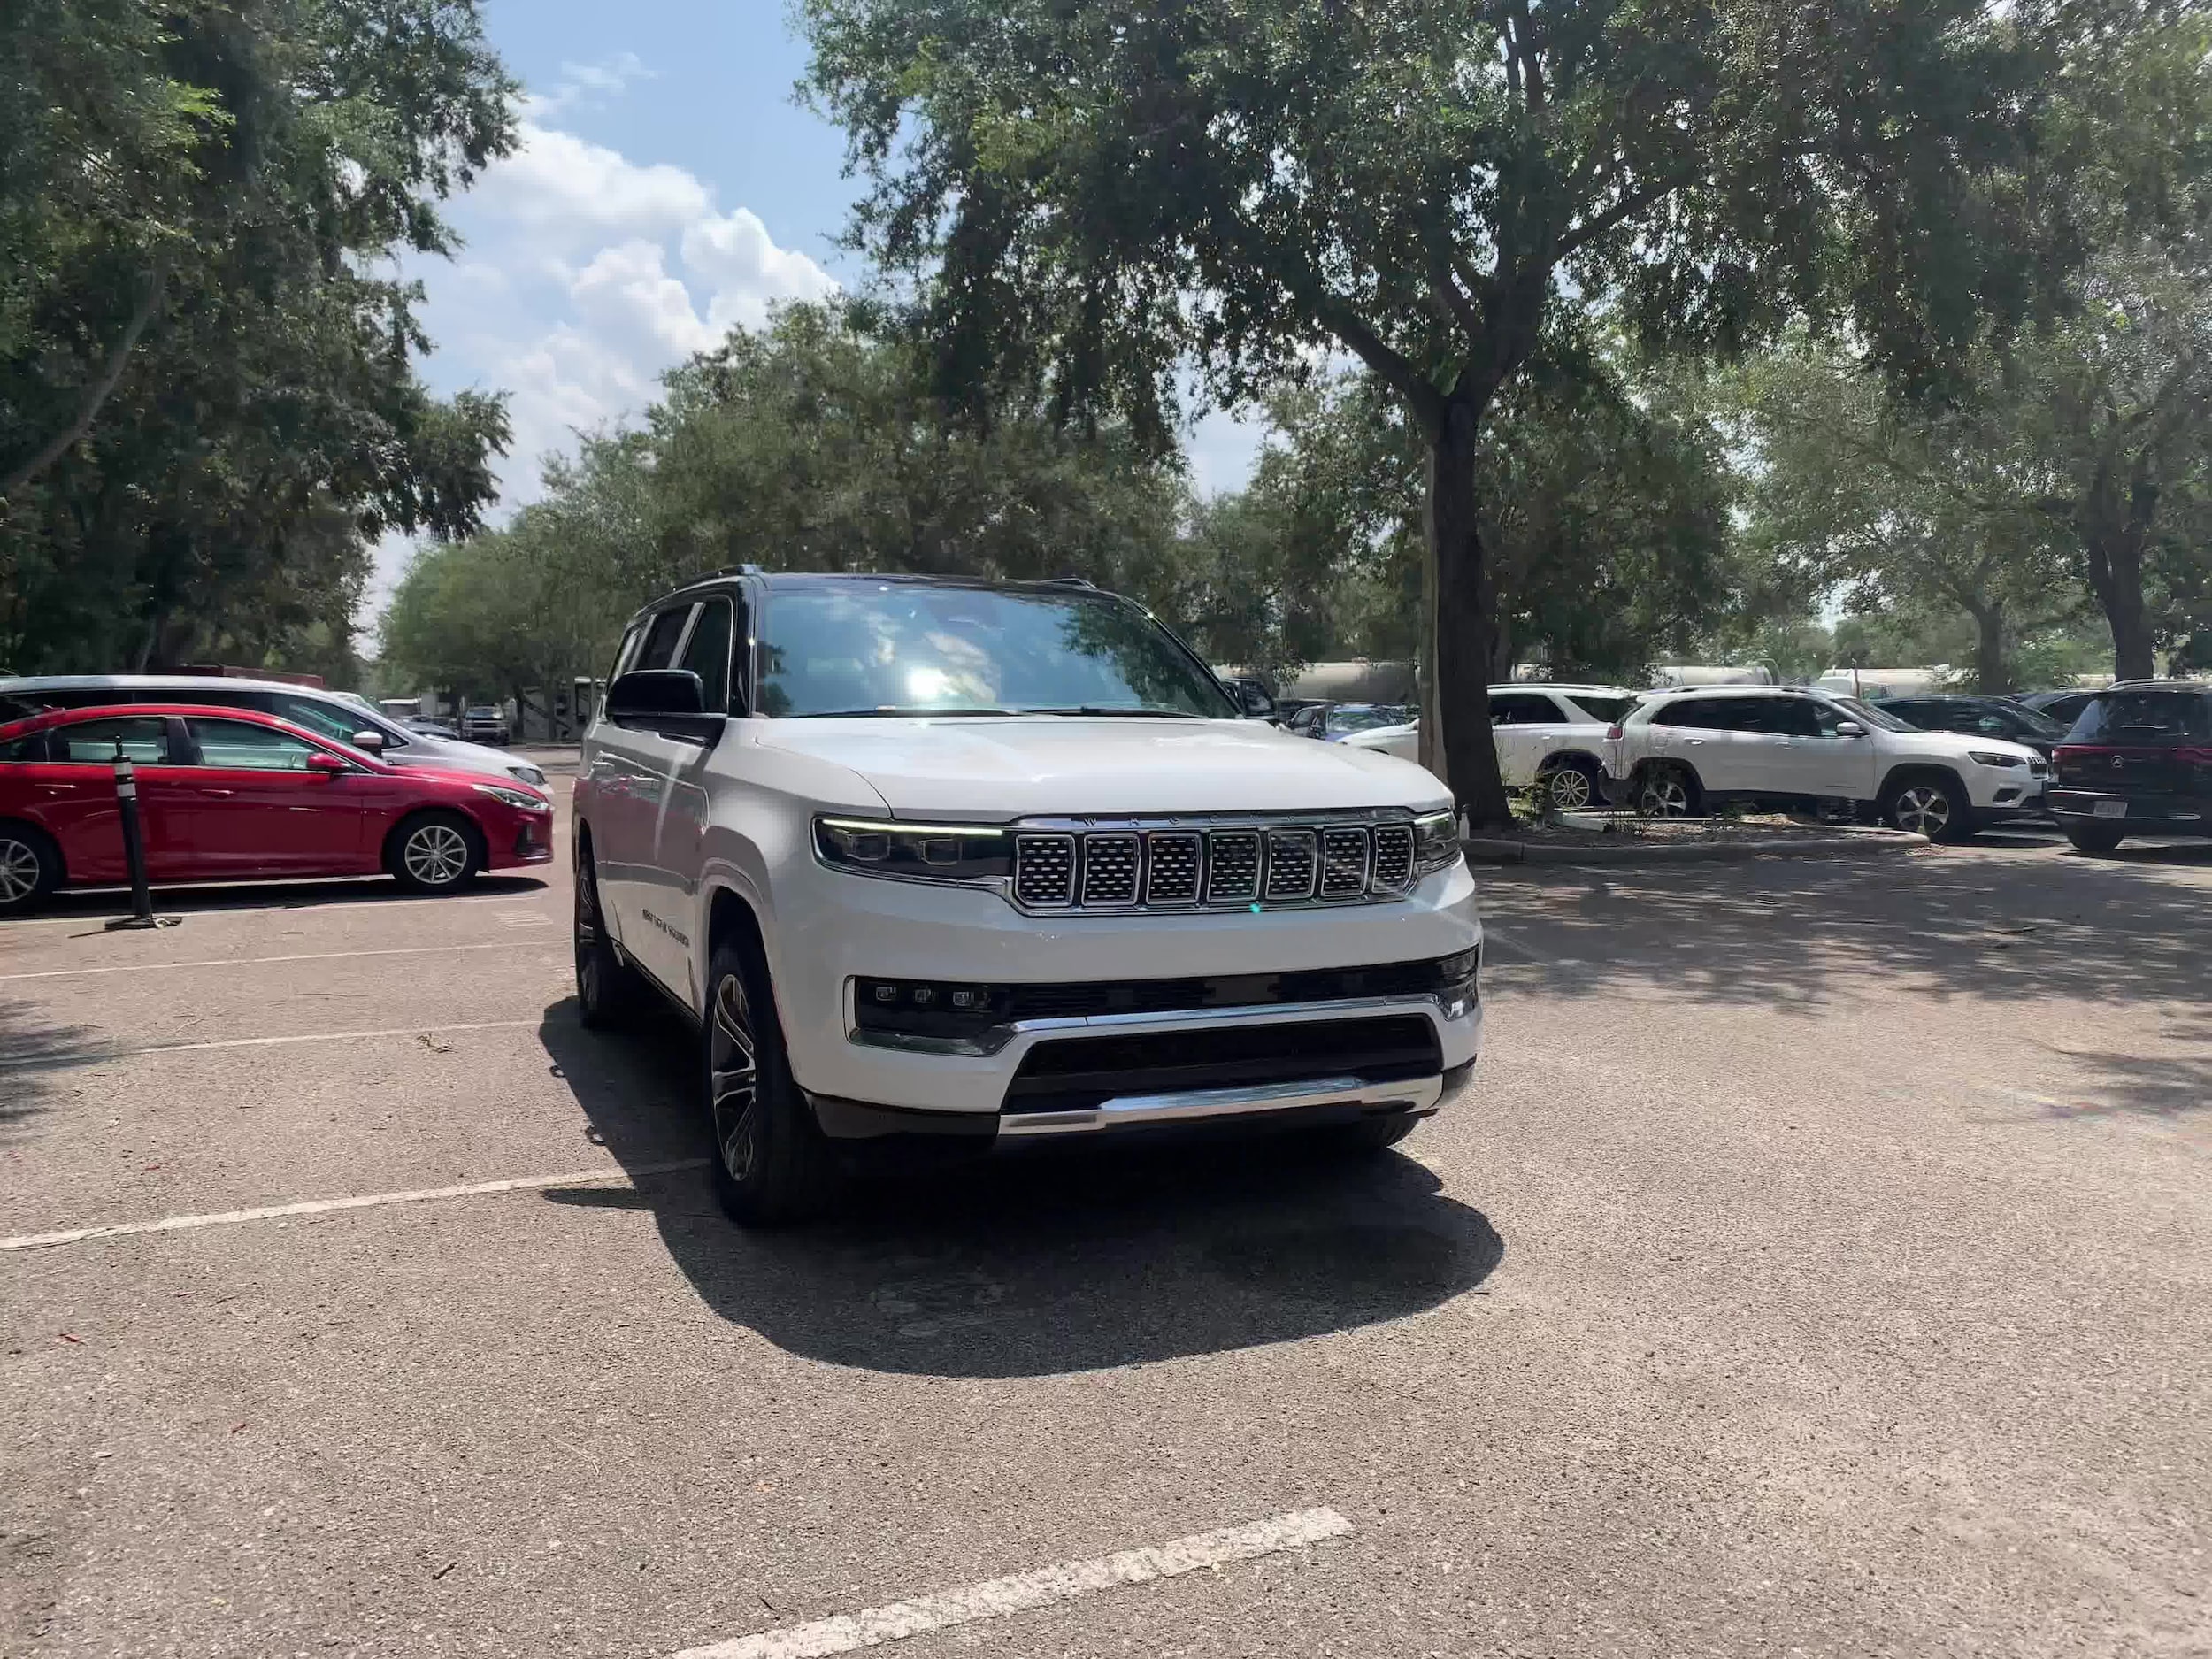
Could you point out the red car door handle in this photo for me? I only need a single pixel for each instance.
(226, 794)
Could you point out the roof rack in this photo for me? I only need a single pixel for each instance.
(1069, 581)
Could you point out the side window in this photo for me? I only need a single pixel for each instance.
(707, 653)
(1691, 713)
(1826, 718)
(659, 650)
(242, 746)
(1517, 708)
(325, 719)
(30, 746)
(144, 739)
(624, 653)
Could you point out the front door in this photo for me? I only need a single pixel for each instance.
(1841, 767)
(254, 808)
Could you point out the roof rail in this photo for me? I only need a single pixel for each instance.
(1069, 581)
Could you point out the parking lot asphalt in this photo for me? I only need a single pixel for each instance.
(1817, 1262)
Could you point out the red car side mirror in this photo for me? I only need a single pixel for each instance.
(328, 765)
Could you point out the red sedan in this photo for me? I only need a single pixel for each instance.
(230, 794)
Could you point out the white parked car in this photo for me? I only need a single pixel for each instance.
(1680, 752)
(336, 715)
(1550, 738)
(928, 858)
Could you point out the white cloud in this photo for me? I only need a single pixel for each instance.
(588, 85)
(585, 276)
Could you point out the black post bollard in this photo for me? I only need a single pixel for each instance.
(134, 848)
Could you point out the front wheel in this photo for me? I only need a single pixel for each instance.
(2095, 838)
(772, 1164)
(434, 853)
(607, 988)
(1934, 807)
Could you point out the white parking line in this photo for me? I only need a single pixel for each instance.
(256, 962)
(318, 1206)
(103, 1057)
(997, 1598)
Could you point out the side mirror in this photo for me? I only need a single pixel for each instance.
(326, 765)
(669, 700)
(1849, 728)
(1258, 705)
(367, 742)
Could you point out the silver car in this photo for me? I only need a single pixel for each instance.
(326, 713)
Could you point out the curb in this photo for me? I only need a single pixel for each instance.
(1482, 850)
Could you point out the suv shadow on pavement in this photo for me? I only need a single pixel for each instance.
(1037, 1264)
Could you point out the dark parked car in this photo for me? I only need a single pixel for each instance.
(2137, 762)
(1985, 716)
(485, 723)
(2063, 706)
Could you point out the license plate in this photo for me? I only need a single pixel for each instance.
(2110, 809)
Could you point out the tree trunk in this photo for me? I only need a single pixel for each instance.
(1991, 677)
(2115, 535)
(1462, 633)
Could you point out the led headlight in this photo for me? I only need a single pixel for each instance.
(914, 852)
(521, 799)
(1993, 757)
(1435, 843)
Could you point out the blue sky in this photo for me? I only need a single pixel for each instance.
(667, 189)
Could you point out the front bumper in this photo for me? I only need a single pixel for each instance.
(832, 930)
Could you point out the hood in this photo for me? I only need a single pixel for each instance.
(1061, 766)
(425, 753)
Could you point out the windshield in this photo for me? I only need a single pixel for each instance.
(860, 648)
(1866, 714)
(1369, 717)
(2035, 724)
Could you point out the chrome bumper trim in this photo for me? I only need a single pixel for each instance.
(1415, 1094)
(991, 1042)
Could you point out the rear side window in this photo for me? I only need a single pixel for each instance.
(144, 738)
(240, 746)
(1605, 711)
(660, 640)
(337, 721)
(30, 746)
(1695, 713)
(707, 654)
(2145, 717)
(1518, 708)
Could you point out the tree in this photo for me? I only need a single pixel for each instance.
(201, 370)
(1093, 193)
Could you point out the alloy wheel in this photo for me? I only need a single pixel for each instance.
(588, 986)
(1921, 809)
(436, 855)
(1570, 789)
(18, 871)
(731, 1080)
(1664, 796)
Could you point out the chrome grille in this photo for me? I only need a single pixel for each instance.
(1393, 857)
(1343, 863)
(1232, 865)
(1171, 875)
(1066, 864)
(1290, 863)
(1044, 871)
(1109, 869)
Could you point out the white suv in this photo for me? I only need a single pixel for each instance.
(929, 858)
(1676, 752)
(1548, 738)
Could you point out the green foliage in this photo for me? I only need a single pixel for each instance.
(206, 404)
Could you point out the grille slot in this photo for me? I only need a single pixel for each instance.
(1232, 865)
(1044, 870)
(1109, 869)
(1343, 863)
(1171, 875)
(1290, 863)
(1393, 857)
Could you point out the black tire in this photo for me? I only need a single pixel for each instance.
(2095, 838)
(1929, 804)
(1571, 786)
(30, 867)
(607, 989)
(772, 1164)
(1379, 1134)
(434, 852)
(1665, 790)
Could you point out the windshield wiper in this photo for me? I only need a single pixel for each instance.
(895, 712)
(1117, 708)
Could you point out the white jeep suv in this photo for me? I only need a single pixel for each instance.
(1548, 738)
(928, 858)
(1678, 751)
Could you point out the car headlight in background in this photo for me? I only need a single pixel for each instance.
(914, 852)
(1992, 758)
(529, 775)
(521, 799)
(1435, 842)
